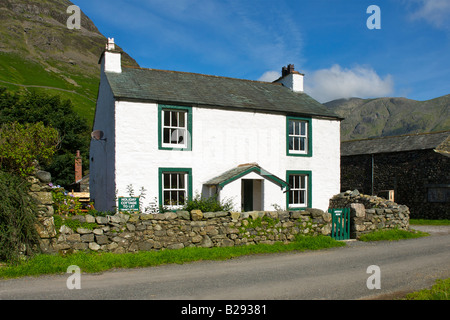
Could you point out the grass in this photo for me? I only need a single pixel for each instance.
(392, 235)
(439, 291)
(443, 222)
(90, 262)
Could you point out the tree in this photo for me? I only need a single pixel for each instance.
(21, 145)
(33, 107)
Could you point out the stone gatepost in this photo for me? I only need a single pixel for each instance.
(45, 225)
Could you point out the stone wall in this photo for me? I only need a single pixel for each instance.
(122, 233)
(369, 213)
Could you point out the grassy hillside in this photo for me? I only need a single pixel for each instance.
(39, 52)
(366, 118)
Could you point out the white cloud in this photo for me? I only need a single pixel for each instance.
(269, 76)
(336, 83)
(435, 12)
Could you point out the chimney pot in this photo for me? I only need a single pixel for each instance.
(78, 167)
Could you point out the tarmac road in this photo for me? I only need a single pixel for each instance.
(339, 273)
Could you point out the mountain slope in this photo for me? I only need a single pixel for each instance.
(39, 52)
(366, 118)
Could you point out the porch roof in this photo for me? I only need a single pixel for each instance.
(242, 170)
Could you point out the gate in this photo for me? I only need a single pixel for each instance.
(340, 223)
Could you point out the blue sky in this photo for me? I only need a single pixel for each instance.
(328, 41)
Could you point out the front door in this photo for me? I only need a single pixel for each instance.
(247, 195)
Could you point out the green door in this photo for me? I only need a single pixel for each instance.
(340, 223)
(247, 187)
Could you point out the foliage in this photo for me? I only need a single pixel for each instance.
(97, 262)
(211, 204)
(439, 291)
(68, 205)
(73, 224)
(33, 107)
(21, 145)
(392, 234)
(17, 218)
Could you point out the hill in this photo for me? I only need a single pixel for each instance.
(367, 118)
(39, 52)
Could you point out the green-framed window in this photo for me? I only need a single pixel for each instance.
(298, 137)
(175, 187)
(174, 128)
(299, 195)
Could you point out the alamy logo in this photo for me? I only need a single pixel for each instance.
(74, 21)
(374, 281)
(374, 21)
(74, 280)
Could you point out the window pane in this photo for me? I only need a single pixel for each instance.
(174, 181)
(302, 144)
(166, 181)
(166, 118)
(181, 180)
(291, 127)
(296, 143)
(303, 129)
(303, 182)
(302, 197)
(180, 133)
(166, 197)
(291, 143)
(296, 129)
(181, 122)
(173, 136)
(291, 181)
(291, 197)
(296, 197)
(174, 120)
(166, 138)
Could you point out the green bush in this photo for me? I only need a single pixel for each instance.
(21, 145)
(17, 218)
(211, 204)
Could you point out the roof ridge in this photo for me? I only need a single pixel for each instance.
(401, 135)
(201, 74)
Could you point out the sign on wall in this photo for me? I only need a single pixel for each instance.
(129, 204)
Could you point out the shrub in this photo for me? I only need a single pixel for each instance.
(21, 145)
(17, 218)
(211, 204)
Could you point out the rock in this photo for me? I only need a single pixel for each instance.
(196, 215)
(44, 176)
(94, 246)
(101, 220)
(183, 215)
(101, 239)
(206, 242)
(175, 246)
(235, 216)
(357, 210)
(170, 215)
(89, 218)
(43, 197)
(84, 231)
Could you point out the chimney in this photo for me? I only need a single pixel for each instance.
(78, 167)
(111, 59)
(291, 78)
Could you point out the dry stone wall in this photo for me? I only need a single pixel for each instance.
(122, 232)
(369, 213)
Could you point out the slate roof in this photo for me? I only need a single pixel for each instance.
(242, 170)
(440, 141)
(172, 87)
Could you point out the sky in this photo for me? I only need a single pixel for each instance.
(333, 42)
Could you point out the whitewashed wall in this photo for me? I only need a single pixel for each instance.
(222, 140)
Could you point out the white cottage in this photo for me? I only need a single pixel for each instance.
(179, 134)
